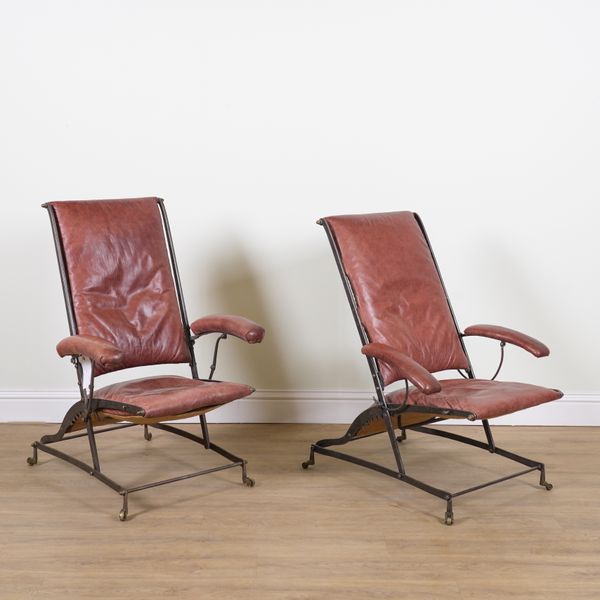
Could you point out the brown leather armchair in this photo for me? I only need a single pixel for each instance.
(125, 309)
(408, 332)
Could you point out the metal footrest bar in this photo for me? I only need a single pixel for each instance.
(499, 480)
(145, 486)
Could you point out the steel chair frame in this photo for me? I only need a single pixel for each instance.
(384, 417)
(84, 413)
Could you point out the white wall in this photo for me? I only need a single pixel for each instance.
(252, 119)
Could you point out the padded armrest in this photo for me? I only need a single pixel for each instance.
(239, 327)
(103, 353)
(404, 367)
(511, 336)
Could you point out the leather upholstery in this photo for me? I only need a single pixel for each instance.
(171, 395)
(511, 336)
(401, 299)
(103, 353)
(239, 327)
(120, 279)
(403, 367)
(482, 398)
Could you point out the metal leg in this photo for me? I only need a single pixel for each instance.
(147, 433)
(311, 458)
(246, 480)
(393, 441)
(125, 510)
(543, 481)
(488, 435)
(32, 460)
(92, 441)
(204, 426)
(449, 516)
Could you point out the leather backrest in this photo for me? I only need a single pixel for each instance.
(120, 278)
(400, 296)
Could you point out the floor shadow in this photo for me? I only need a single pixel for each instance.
(230, 285)
(311, 342)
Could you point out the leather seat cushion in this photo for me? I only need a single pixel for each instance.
(171, 395)
(481, 398)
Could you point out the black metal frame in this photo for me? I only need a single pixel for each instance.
(86, 408)
(391, 414)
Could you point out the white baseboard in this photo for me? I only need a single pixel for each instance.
(297, 406)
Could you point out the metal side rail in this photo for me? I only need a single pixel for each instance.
(444, 495)
(125, 491)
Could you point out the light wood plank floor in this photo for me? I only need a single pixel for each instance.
(335, 531)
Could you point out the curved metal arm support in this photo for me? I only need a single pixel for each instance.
(405, 401)
(502, 344)
(467, 376)
(213, 366)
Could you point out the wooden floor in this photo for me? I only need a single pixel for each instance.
(334, 531)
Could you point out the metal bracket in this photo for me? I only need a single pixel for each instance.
(213, 366)
(85, 380)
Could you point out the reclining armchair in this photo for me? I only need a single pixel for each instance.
(125, 309)
(408, 332)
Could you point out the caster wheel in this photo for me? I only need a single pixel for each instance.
(249, 482)
(148, 436)
(306, 464)
(31, 461)
(547, 485)
(449, 520)
(122, 515)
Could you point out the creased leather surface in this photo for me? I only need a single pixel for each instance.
(171, 395)
(400, 297)
(240, 327)
(100, 351)
(120, 278)
(511, 336)
(483, 398)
